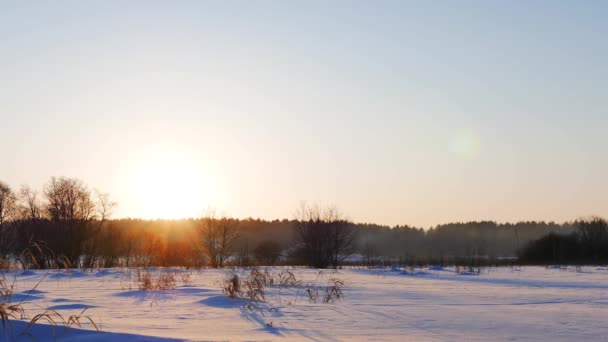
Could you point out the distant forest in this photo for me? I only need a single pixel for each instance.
(68, 225)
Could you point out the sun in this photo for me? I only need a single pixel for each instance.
(170, 186)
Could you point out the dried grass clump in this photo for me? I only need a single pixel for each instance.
(250, 287)
(333, 292)
(468, 269)
(269, 277)
(55, 318)
(288, 279)
(75, 320)
(10, 311)
(144, 280)
(313, 293)
(232, 286)
(164, 281)
(255, 288)
(185, 278)
(259, 278)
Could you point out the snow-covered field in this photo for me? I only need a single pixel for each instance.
(430, 304)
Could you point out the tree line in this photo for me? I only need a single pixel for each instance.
(587, 244)
(68, 225)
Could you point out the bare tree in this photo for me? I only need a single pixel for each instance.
(218, 237)
(323, 237)
(369, 249)
(8, 206)
(29, 204)
(92, 246)
(71, 208)
(34, 231)
(8, 202)
(243, 253)
(68, 200)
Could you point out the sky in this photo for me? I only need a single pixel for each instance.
(397, 112)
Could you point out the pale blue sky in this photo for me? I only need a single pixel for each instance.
(398, 112)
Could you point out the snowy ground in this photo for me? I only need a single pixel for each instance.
(431, 304)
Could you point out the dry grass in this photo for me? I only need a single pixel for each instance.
(55, 318)
(470, 269)
(313, 293)
(10, 311)
(146, 281)
(257, 278)
(250, 287)
(288, 279)
(185, 278)
(333, 292)
(232, 286)
(254, 286)
(285, 278)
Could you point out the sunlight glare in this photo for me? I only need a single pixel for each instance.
(171, 186)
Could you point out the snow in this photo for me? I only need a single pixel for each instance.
(383, 304)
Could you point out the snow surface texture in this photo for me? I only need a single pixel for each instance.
(423, 304)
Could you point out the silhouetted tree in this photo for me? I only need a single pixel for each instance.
(8, 210)
(243, 254)
(73, 212)
(552, 249)
(8, 203)
(267, 252)
(323, 237)
(593, 235)
(218, 237)
(30, 208)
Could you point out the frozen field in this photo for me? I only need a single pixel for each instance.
(504, 304)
